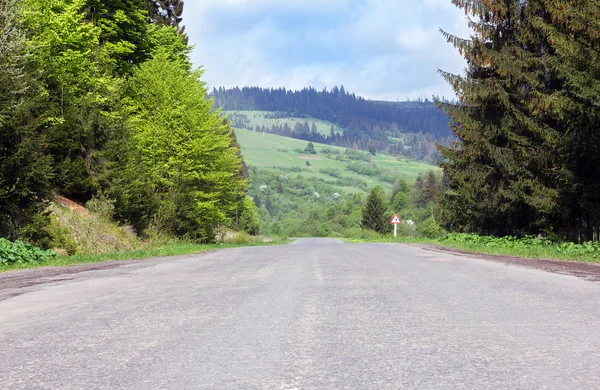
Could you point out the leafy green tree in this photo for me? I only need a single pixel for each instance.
(179, 153)
(310, 149)
(374, 212)
(123, 28)
(25, 170)
(80, 92)
(248, 219)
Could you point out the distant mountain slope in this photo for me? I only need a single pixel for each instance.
(339, 107)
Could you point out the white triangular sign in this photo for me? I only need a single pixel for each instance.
(395, 220)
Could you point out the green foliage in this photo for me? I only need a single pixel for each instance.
(25, 170)
(372, 170)
(400, 185)
(177, 160)
(527, 121)
(248, 218)
(64, 51)
(533, 246)
(430, 228)
(374, 213)
(19, 252)
(400, 201)
(310, 149)
(123, 35)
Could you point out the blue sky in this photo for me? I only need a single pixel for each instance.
(380, 49)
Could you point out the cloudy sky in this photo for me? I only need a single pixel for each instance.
(380, 49)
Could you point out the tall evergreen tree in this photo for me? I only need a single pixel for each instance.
(567, 95)
(25, 170)
(500, 174)
(373, 215)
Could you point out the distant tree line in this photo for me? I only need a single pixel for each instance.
(367, 124)
(417, 146)
(338, 106)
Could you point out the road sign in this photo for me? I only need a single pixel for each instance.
(395, 221)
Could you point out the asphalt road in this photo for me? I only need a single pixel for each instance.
(316, 314)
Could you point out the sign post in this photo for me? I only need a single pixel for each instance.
(396, 221)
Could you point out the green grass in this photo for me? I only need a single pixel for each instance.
(529, 247)
(257, 118)
(271, 151)
(176, 249)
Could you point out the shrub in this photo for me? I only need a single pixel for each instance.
(430, 228)
(19, 252)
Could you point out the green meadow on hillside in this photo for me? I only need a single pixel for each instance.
(282, 154)
(299, 194)
(259, 118)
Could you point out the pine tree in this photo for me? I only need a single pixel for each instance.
(313, 129)
(373, 215)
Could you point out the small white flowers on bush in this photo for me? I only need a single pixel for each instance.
(336, 196)
(263, 188)
(410, 222)
(316, 194)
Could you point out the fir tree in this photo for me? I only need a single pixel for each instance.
(500, 173)
(25, 171)
(373, 215)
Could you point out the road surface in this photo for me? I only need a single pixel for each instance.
(316, 314)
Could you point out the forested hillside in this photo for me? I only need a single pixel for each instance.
(310, 189)
(368, 125)
(528, 121)
(99, 101)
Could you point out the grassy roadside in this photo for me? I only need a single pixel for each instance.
(532, 248)
(175, 249)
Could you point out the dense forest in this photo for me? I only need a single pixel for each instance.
(99, 101)
(527, 160)
(369, 125)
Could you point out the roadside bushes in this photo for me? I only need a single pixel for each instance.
(19, 252)
(526, 246)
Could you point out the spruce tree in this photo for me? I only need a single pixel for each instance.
(567, 95)
(373, 215)
(500, 173)
(25, 170)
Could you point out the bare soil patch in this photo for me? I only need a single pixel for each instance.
(74, 207)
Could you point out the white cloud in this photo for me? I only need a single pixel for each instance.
(380, 49)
